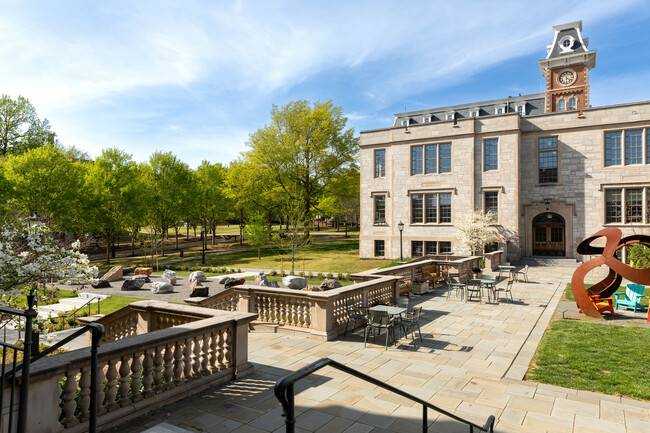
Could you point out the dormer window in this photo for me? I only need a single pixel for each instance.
(500, 109)
(426, 119)
(404, 122)
(521, 109)
(474, 112)
(451, 115)
(566, 44)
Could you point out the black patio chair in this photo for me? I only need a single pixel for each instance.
(378, 321)
(507, 290)
(410, 322)
(357, 315)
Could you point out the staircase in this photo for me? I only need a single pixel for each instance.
(549, 261)
(69, 304)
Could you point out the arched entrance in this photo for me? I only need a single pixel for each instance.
(548, 235)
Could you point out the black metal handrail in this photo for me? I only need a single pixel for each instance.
(284, 392)
(88, 303)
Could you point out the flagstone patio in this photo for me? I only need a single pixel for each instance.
(471, 362)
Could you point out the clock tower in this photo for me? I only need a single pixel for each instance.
(566, 69)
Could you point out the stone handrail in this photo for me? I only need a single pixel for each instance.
(140, 373)
(494, 259)
(324, 314)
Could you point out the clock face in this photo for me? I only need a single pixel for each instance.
(567, 78)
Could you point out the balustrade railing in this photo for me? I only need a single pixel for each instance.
(140, 373)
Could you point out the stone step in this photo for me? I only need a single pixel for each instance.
(264, 327)
(549, 261)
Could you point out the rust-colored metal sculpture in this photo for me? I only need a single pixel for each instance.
(597, 298)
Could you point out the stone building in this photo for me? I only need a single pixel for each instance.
(550, 167)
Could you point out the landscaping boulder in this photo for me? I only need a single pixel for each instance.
(145, 278)
(100, 284)
(133, 284)
(232, 282)
(160, 287)
(329, 284)
(264, 282)
(294, 282)
(169, 276)
(197, 276)
(200, 291)
(143, 271)
(114, 274)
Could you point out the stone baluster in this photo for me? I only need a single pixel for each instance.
(111, 386)
(147, 373)
(84, 394)
(196, 356)
(157, 369)
(214, 336)
(220, 350)
(178, 362)
(205, 352)
(168, 366)
(187, 365)
(226, 346)
(69, 405)
(99, 392)
(136, 377)
(125, 371)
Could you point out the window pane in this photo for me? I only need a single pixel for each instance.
(633, 146)
(647, 146)
(612, 148)
(561, 105)
(431, 208)
(445, 207)
(612, 206)
(380, 162)
(572, 103)
(490, 154)
(380, 209)
(647, 206)
(430, 248)
(444, 165)
(444, 247)
(430, 158)
(417, 208)
(491, 204)
(416, 160)
(379, 248)
(416, 249)
(547, 159)
(634, 205)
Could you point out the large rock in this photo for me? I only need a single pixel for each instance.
(329, 284)
(143, 271)
(264, 282)
(160, 287)
(169, 276)
(200, 291)
(144, 277)
(133, 284)
(100, 284)
(232, 282)
(114, 274)
(294, 282)
(197, 276)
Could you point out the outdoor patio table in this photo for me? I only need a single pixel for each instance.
(392, 311)
(506, 268)
(485, 284)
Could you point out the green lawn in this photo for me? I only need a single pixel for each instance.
(594, 357)
(568, 293)
(106, 306)
(322, 255)
(310, 281)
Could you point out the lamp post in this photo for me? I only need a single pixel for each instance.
(203, 238)
(400, 226)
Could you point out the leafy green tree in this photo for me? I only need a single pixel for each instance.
(258, 232)
(47, 183)
(20, 127)
(212, 204)
(303, 148)
(168, 179)
(109, 181)
(341, 199)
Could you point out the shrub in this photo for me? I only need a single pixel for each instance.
(330, 275)
(273, 273)
(320, 275)
(639, 256)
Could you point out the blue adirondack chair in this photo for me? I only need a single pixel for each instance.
(631, 298)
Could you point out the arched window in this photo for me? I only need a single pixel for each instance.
(572, 103)
(561, 105)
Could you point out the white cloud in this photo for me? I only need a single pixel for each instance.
(68, 56)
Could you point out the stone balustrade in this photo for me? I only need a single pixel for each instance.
(148, 365)
(323, 314)
(494, 259)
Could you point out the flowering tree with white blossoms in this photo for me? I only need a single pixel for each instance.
(30, 255)
(478, 229)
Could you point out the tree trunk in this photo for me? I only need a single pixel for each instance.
(346, 228)
(259, 253)
(108, 251)
(214, 233)
(187, 230)
(176, 229)
(132, 245)
(195, 232)
(162, 241)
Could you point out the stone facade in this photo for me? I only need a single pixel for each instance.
(543, 212)
(577, 196)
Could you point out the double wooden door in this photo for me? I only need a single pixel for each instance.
(548, 237)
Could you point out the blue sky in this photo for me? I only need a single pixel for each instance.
(197, 77)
